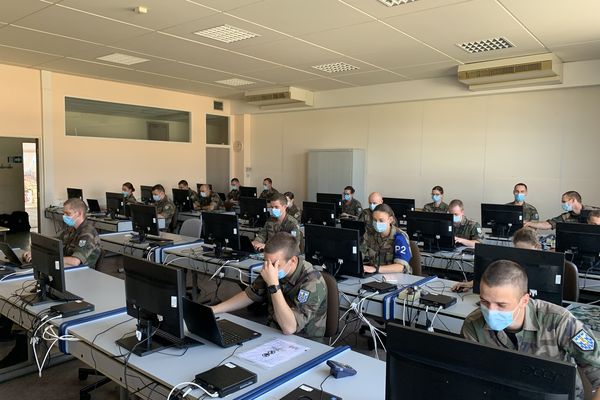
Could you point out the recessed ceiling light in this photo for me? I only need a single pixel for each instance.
(122, 59)
(486, 45)
(235, 82)
(226, 34)
(335, 67)
(392, 3)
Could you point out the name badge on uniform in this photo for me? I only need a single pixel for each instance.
(584, 341)
(82, 243)
(303, 296)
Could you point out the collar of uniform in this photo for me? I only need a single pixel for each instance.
(297, 273)
(464, 221)
(84, 222)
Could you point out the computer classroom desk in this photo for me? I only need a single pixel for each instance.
(101, 223)
(120, 242)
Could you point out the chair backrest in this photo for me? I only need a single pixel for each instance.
(100, 259)
(333, 304)
(571, 284)
(191, 227)
(415, 260)
(173, 223)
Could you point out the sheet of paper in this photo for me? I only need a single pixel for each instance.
(273, 353)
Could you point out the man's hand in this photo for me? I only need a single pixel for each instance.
(459, 240)
(369, 269)
(269, 272)
(460, 287)
(26, 257)
(258, 245)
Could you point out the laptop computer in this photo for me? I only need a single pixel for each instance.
(94, 207)
(12, 257)
(306, 392)
(200, 320)
(246, 245)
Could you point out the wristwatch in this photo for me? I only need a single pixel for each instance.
(273, 289)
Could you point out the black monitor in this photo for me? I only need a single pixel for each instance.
(73, 193)
(222, 230)
(504, 219)
(318, 213)
(434, 230)
(146, 193)
(337, 249)
(254, 210)
(334, 198)
(48, 270)
(583, 216)
(401, 207)
(144, 220)
(353, 224)
(115, 204)
(153, 293)
(182, 199)
(545, 269)
(423, 365)
(580, 243)
(247, 191)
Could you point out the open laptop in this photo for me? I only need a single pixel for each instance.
(200, 320)
(12, 257)
(94, 208)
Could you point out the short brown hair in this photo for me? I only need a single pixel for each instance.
(385, 209)
(350, 188)
(278, 197)
(520, 184)
(268, 180)
(183, 182)
(505, 272)
(438, 188)
(455, 203)
(76, 204)
(593, 214)
(525, 235)
(571, 194)
(283, 241)
(129, 186)
(158, 187)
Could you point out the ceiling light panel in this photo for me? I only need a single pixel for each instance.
(480, 46)
(226, 34)
(335, 67)
(392, 3)
(124, 59)
(235, 82)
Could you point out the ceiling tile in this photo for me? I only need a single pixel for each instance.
(578, 52)
(11, 11)
(28, 58)
(380, 10)
(282, 74)
(224, 5)
(320, 84)
(434, 70)
(371, 78)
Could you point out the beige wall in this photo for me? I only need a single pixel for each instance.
(477, 148)
(20, 102)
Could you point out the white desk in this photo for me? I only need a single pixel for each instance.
(120, 243)
(103, 224)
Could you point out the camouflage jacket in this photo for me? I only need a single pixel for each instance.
(380, 250)
(430, 207)
(305, 293)
(214, 200)
(266, 194)
(468, 229)
(530, 213)
(568, 217)
(295, 212)
(82, 243)
(166, 208)
(130, 199)
(272, 226)
(193, 196)
(233, 195)
(549, 331)
(351, 208)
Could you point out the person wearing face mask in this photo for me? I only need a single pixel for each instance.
(280, 221)
(466, 231)
(594, 217)
(268, 189)
(81, 243)
(295, 290)
(351, 208)
(437, 205)
(128, 196)
(385, 248)
(571, 205)
(529, 212)
(366, 215)
(234, 194)
(209, 200)
(508, 318)
(183, 185)
(165, 208)
(292, 209)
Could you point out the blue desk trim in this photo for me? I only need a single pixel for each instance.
(389, 302)
(272, 384)
(30, 274)
(62, 328)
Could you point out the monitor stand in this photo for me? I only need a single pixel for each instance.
(149, 343)
(46, 294)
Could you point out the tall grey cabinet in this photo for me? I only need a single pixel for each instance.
(329, 171)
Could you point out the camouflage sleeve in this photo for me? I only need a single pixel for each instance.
(258, 290)
(131, 199)
(427, 208)
(476, 233)
(216, 202)
(557, 219)
(308, 302)
(194, 196)
(580, 343)
(402, 253)
(534, 216)
(168, 211)
(468, 330)
(87, 249)
(368, 253)
(261, 236)
(363, 216)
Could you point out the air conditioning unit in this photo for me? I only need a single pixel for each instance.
(541, 69)
(280, 98)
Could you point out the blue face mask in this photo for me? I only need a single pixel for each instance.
(380, 227)
(203, 194)
(276, 212)
(281, 273)
(347, 197)
(567, 207)
(125, 194)
(436, 198)
(155, 197)
(68, 220)
(519, 197)
(497, 320)
(456, 218)
(265, 187)
(234, 187)
(372, 206)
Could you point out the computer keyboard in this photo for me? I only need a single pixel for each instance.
(230, 337)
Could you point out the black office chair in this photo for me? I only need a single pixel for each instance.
(571, 285)
(415, 260)
(333, 305)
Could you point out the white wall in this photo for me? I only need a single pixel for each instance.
(11, 179)
(476, 147)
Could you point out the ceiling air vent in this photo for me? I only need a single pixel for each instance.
(279, 98)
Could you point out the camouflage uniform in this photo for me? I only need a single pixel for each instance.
(353, 207)
(468, 229)
(549, 331)
(374, 246)
(568, 217)
(266, 194)
(130, 199)
(166, 208)
(294, 212)
(530, 213)
(82, 243)
(430, 207)
(233, 195)
(272, 226)
(193, 196)
(213, 200)
(306, 294)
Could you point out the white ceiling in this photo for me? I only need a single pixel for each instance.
(389, 44)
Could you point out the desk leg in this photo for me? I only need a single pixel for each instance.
(195, 290)
(123, 394)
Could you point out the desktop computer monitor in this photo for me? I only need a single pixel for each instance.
(153, 293)
(144, 220)
(580, 243)
(254, 210)
(115, 204)
(401, 207)
(221, 230)
(423, 365)
(504, 219)
(337, 249)
(360, 226)
(247, 191)
(146, 194)
(334, 198)
(434, 230)
(318, 213)
(182, 199)
(545, 269)
(73, 193)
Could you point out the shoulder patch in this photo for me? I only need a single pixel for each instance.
(303, 296)
(82, 243)
(584, 341)
(479, 230)
(293, 233)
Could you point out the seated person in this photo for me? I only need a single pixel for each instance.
(183, 185)
(128, 196)
(295, 290)
(438, 205)
(529, 212)
(466, 231)
(234, 194)
(165, 208)
(81, 243)
(268, 189)
(209, 200)
(508, 318)
(594, 217)
(366, 215)
(385, 248)
(350, 206)
(571, 205)
(292, 209)
(280, 221)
